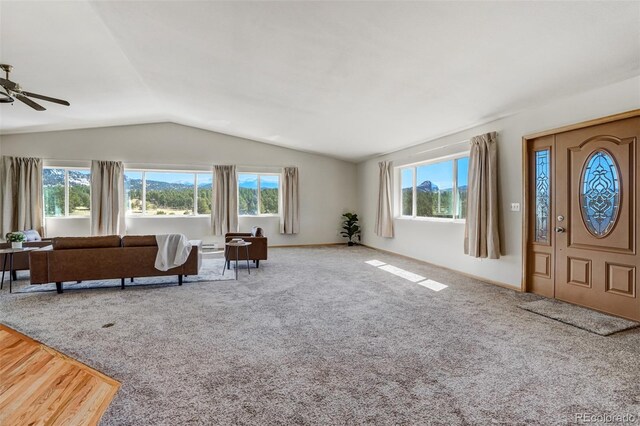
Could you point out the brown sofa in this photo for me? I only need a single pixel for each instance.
(98, 258)
(257, 249)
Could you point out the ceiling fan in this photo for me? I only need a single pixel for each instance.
(13, 90)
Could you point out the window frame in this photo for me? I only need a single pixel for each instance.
(143, 195)
(259, 174)
(414, 166)
(66, 214)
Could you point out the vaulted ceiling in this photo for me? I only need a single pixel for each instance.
(345, 79)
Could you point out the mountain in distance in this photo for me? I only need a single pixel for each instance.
(157, 185)
(54, 177)
(428, 186)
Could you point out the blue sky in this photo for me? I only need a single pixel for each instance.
(439, 173)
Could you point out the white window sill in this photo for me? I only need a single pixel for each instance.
(430, 219)
(258, 215)
(67, 217)
(167, 216)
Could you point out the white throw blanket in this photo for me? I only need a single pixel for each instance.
(173, 251)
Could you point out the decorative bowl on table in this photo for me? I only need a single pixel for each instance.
(237, 240)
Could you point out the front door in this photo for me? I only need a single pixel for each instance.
(592, 217)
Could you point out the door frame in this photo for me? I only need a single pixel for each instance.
(526, 140)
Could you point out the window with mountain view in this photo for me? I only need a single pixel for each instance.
(168, 193)
(67, 192)
(439, 188)
(406, 176)
(204, 187)
(434, 190)
(461, 186)
(133, 192)
(258, 194)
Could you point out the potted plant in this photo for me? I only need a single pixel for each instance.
(16, 239)
(350, 227)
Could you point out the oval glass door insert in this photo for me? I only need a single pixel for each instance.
(600, 193)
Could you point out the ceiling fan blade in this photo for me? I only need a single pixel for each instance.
(5, 98)
(29, 102)
(8, 84)
(46, 98)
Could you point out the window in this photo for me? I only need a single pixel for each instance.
(461, 187)
(437, 189)
(204, 188)
(133, 192)
(258, 194)
(168, 193)
(407, 191)
(67, 192)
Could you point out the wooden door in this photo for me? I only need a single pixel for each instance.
(582, 215)
(596, 192)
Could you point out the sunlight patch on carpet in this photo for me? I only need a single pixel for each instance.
(433, 285)
(410, 276)
(414, 278)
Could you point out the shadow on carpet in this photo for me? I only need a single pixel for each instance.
(577, 316)
(211, 270)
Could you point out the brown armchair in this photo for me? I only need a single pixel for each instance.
(257, 249)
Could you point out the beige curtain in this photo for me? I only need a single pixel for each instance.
(481, 232)
(290, 216)
(224, 215)
(21, 195)
(107, 198)
(384, 218)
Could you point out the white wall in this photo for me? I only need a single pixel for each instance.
(442, 243)
(328, 186)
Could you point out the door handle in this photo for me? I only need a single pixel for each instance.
(559, 229)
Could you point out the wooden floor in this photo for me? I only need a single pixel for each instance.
(39, 385)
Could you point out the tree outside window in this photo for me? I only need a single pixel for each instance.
(258, 194)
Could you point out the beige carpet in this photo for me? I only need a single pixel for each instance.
(318, 336)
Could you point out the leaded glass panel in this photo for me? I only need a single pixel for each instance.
(542, 198)
(600, 193)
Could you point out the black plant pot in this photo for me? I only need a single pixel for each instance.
(350, 243)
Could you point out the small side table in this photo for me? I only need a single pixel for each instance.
(230, 244)
(8, 253)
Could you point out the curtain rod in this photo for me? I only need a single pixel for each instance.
(466, 141)
(207, 165)
(440, 147)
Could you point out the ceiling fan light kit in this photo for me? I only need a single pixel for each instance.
(12, 91)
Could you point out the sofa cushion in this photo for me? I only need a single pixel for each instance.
(70, 243)
(139, 241)
(256, 231)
